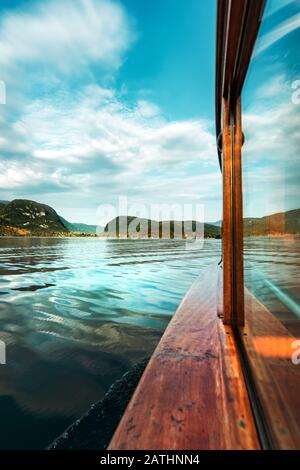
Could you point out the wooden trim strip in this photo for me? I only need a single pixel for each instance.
(227, 225)
(269, 347)
(220, 30)
(232, 233)
(237, 228)
(252, 21)
(192, 395)
(238, 24)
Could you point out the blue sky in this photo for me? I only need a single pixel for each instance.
(271, 173)
(108, 99)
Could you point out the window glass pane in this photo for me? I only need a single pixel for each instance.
(271, 176)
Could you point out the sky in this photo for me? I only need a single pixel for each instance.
(110, 98)
(271, 114)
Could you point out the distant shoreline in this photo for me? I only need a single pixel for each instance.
(288, 236)
(26, 218)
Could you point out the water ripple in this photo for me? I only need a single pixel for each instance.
(75, 314)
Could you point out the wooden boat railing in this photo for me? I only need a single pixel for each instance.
(192, 394)
(195, 391)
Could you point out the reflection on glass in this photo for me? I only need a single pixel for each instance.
(271, 175)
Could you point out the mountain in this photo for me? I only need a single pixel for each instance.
(275, 224)
(81, 228)
(218, 223)
(136, 227)
(3, 203)
(25, 217)
(279, 223)
(31, 216)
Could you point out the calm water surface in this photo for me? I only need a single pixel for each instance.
(75, 314)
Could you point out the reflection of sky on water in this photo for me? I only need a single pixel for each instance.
(106, 306)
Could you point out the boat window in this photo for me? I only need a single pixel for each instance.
(271, 171)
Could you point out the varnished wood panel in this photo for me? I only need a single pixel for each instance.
(192, 394)
(227, 225)
(268, 346)
(232, 233)
(238, 235)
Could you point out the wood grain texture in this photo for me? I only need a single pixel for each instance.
(192, 394)
(227, 225)
(269, 348)
(237, 226)
(232, 234)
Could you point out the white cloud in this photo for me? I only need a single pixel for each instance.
(272, 122)
(273, 133)
(97, 128)
(271, 151)
(12, 176)
(93, 142)
(64, 35)
(147, 109)
(277, 33)
(273, 88)
(81, 139)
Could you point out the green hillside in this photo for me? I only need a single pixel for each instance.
(279, 223)
(80, 228)
(25, 217)
(136, 227)
(32, 216)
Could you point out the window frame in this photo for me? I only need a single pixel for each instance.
(272, 380)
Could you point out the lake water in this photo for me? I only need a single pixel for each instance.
(75, 314)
